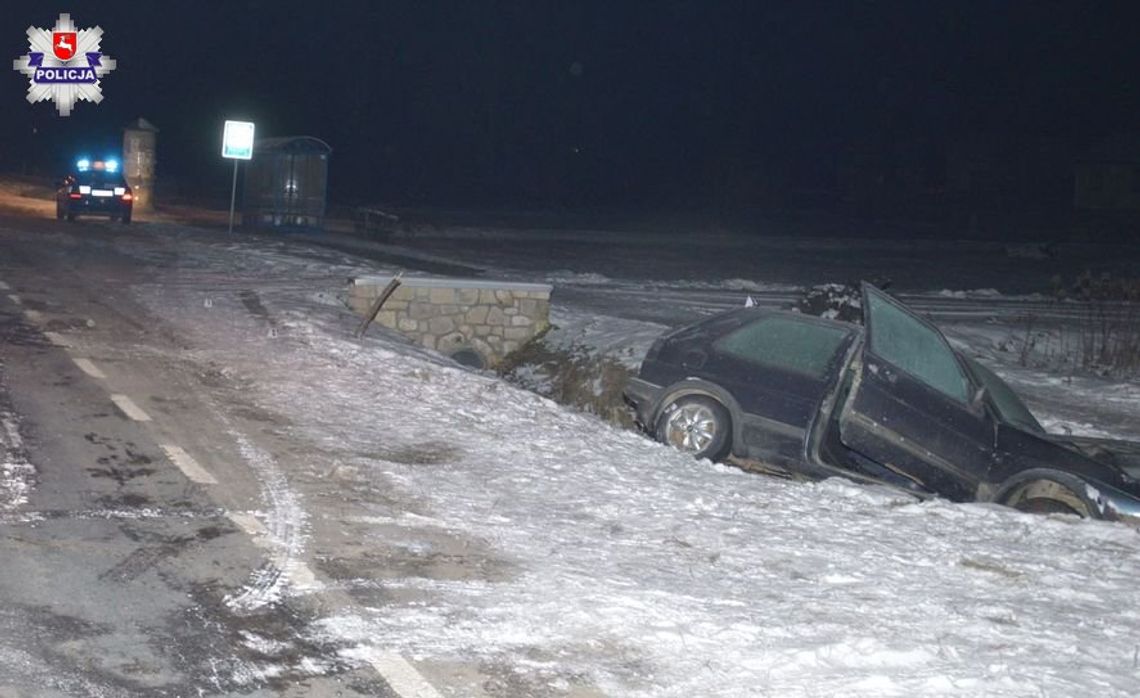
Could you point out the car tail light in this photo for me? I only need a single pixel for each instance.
(75, 195)
(128, 197)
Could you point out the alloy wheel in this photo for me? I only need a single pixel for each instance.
(691, 428)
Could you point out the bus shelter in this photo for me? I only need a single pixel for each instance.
(286, 183)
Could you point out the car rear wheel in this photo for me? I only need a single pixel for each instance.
(1049, 497)
(696, 424)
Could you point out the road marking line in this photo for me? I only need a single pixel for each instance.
(301, 576)
(34, 315)
(89, 368)
(401, 676)
(15, 299)
(4, 286)
(56, 339)
(188, 465)
(251, 525)
(12, 432)
(129, 408)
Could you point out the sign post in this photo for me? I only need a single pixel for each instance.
(237, 144)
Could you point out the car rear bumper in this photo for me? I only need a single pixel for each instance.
(641, 397)
(112, 206)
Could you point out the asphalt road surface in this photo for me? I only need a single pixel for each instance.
(139, 563)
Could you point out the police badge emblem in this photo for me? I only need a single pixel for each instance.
(64, 64)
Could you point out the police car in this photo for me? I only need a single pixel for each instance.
(96, 188)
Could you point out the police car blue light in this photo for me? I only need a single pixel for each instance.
(111, 165)
(83, 165)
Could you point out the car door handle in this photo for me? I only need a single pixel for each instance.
(884, 371)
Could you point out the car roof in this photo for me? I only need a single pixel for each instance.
(746, 314)
(101, 175)
(729, 320)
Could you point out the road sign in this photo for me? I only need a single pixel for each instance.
(237, 140)
(237, 144)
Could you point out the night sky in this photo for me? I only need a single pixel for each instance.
(489, 102)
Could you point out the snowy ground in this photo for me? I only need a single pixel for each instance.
(610, 561)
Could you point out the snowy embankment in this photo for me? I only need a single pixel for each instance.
(633, 568)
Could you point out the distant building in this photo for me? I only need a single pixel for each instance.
(1107, 177)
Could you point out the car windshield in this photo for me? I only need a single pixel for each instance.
(1009, 406)
(100, 179)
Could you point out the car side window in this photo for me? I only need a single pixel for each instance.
(906, 342)
(785, 343)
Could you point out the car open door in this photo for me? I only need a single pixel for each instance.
(912, 406)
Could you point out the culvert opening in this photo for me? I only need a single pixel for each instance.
(469, 357)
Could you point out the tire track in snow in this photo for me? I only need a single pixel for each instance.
(284, 532)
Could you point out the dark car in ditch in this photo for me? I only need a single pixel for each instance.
(891, 402)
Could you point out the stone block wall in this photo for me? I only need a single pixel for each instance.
(475, 321)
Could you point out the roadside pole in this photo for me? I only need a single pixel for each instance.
(233, 196)
(237, 144)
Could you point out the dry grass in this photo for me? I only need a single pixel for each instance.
(573, 377)
(1107, 336)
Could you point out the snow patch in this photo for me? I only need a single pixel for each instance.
(972, 293)
(577, 278)
(16, 473)
(1057, 425)
(285, 528)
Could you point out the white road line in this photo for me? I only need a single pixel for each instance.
(89, 368)
(301, 577)
(129, 408)
(4, 286)
(401, 676)
(34, 315)
(297, 572)
(188, 465)
(57, 339)
(15, 299)
(11, 432)
(251, 525)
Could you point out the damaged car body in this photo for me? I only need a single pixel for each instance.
(890, 403)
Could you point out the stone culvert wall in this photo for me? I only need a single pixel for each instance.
(476, 322)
